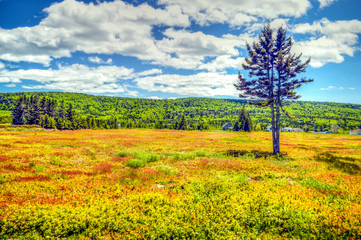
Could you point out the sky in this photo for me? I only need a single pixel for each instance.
(172, 48)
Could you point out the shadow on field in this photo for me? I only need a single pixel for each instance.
(345, 164)
(253, 153)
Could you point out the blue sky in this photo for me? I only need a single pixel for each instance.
(172, 48)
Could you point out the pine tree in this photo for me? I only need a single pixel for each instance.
(51, 107)
(62, 111)
(43, 105)
(33, 111)
(244, 121)
(19, 111)
(70, 113)
(236, 126)
(272, 69)
(182, 125)
(60, 123)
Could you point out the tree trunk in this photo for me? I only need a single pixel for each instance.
(274, 139)
(278, 126)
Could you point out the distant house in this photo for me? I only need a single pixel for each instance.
(286, 129)
(297, 130)
(355, 132)
(227, 126)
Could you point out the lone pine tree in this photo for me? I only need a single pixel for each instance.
(244, 122)
(273, 70)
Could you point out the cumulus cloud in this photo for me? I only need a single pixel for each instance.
(99, 60)
(221, 63)
(109, 27)
(189, 49)
(237, 13)
(330, 41)
(117, 28)
(77, 78)
(155, 98)
(200, 84)
(325, 3)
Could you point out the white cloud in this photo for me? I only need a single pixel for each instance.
(325, 3)
(279, 22)
(110, 27)
(221, 63)
(191, 48)
(329, 88)
(77, 78)
(200, 84)
(11, 85)
(132, 93)
(237, 12)
(153, 71)
(330, 41)
(155, 98)
(99, 60)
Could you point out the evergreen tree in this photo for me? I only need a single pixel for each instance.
(62, 111)
(33, 110)
(182, 125)
(60, 123)
(244, 120)
(236, 126)
(70, 113)
(19, 111)
(42, 105)
(273, 70)
(51, 107)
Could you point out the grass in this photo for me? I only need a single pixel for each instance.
(163, 184)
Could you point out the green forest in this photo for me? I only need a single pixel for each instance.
(75, 111)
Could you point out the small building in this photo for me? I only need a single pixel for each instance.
(355, 132)
(297, 130)
(227, 126)
(286, 129)
(269, 128)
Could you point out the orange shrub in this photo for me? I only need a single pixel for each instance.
(104, 168)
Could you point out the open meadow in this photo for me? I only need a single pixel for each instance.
(168, 184)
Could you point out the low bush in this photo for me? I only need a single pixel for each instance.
(136, 163)
(167, 170)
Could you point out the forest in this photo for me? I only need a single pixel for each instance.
(75, 111)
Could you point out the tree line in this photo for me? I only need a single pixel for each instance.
(48, 113)
(200, 113)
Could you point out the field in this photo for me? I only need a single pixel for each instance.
(163, 184)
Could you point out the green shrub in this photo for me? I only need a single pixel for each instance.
(189, 155)
(39, 168)
(167, 170)
(136, 163)
(122, 154)
(147, 157)
(56, 161)
(317, 185)
(241, 179)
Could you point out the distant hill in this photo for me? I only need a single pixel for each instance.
(214, 112)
